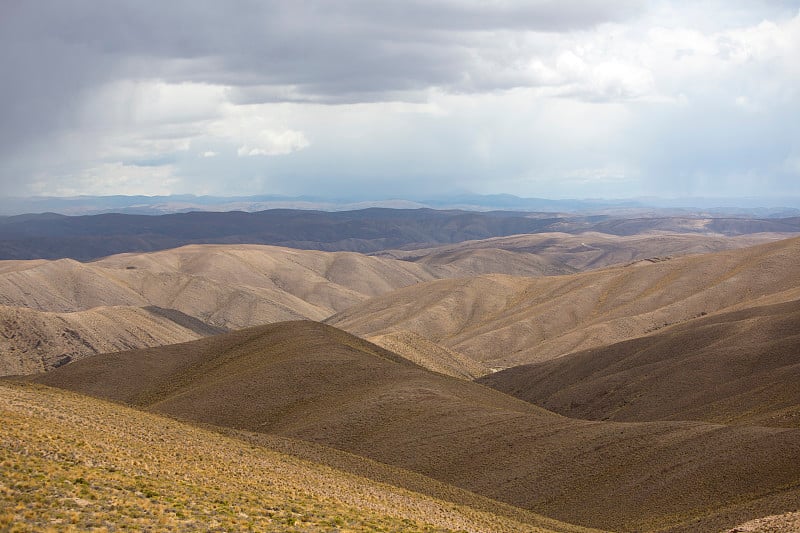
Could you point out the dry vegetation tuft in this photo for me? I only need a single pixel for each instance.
(73, 463)
(782, 523)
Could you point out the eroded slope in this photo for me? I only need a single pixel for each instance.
(740, 367)
(505, 321)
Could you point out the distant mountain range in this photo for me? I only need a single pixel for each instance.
(182, 203)
(86, 237)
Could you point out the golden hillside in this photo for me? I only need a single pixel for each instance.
(73, 463)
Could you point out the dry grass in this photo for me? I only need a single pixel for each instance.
(308, 381)
(783, 523)
(72, 463)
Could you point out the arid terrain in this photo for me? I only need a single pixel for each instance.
(313, 382)
(57, 311)
(503, 321)
(643, 378)
(738, 367)
(82, 464)
(506, 266)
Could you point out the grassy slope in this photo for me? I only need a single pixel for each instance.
(783, 523)
(69, 462)
(309, 381)
(741, 367)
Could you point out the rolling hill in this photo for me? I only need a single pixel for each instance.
(562, 253)
(503, 321)
(228, 286)
(310, 381)
(68, 309)
(36, 341)
(69, 462)
(52, 312)
(741, 367)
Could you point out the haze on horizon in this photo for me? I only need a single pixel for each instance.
(554, 99)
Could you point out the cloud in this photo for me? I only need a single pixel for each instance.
(112, 179)
(274, 143)
(530, 97)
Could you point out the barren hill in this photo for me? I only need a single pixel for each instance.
(697, 224)
(430, 355)
(310, 381)
(229, 286)
(35, 341)
(55, 311)
(233, 286)
(504, 321)
(741, 367)
(562, 253)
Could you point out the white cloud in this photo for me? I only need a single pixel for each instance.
(111, 179)
(209, 153)
(267, 142)
(148, 102)
(791, 165)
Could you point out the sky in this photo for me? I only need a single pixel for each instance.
(357, 98)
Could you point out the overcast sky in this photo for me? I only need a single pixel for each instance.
(547, 98)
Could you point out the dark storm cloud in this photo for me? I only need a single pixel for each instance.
(324, 50)
(53, 53)
(93, 90)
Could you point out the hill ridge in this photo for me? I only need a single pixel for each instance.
(503, 321)
(733, 367)
(619, 476)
